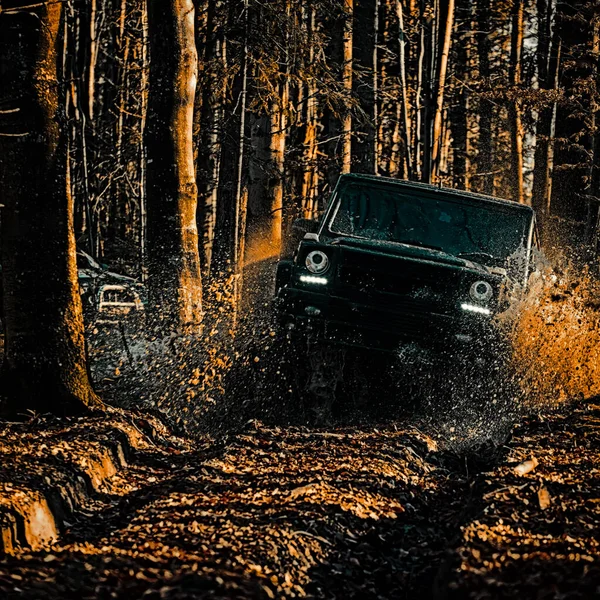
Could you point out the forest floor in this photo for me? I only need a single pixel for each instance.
(338, 512)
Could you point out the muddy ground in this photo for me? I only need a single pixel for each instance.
(460, 500)
(337, 512)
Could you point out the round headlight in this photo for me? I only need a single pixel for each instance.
(481, 291)
(317, 262)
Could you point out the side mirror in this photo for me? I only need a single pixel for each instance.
(300, 228)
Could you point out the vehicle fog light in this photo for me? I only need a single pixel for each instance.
(476, 309)
(312, 311)
(313, 279)
(481, 291)
(317, 261)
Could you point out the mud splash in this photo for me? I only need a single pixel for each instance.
(556, 338)
(236, 372)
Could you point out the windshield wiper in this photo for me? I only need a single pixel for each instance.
(420, 244)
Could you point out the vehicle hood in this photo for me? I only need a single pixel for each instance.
(407, 250)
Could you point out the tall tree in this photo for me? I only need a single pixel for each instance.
(364, 141)
(213, 96)
(347, 78)
(403, 114)
(45, 363)
(573, 146)
(278, 130)
(486, 106)
(173, 260)
(548, 62)
(515, 120)
(446, 20)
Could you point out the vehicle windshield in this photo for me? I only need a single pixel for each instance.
(489, 234)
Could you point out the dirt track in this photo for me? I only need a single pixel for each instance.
(372, 513)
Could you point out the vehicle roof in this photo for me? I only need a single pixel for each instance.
(403, 183)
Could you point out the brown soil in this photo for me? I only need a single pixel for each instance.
(292, 512)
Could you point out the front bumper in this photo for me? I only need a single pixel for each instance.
(339, 320)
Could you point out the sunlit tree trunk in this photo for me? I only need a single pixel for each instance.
(173, 260)
(515, 123)
(44, 364)
(442, 71)
(347, 70)
(274, 205)
(93, 58)
(310, 174)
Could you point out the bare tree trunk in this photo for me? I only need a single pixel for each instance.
(143, 155)
(44, 364)
(458, 106)
(486, 107)
(241, 194)
(347, 83)
(548, 54)
(77, 109)
(235, 173)
(515, 124)
(93, 57)
(426, 87)
(173, 260)
(403, 107)
(593, 212)
(376, 156)
(310, 178)
(421, 98)
(570, 175)
(211, 121)
(364, 142)
(274, 216)
(440, 89)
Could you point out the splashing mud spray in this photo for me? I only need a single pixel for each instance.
(229, 378)
(556, 339)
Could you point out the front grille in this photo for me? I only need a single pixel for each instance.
(405, 284)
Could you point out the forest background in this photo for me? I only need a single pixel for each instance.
(497, 97)
(186, 136)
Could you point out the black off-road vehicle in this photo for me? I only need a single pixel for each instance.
(393, 264)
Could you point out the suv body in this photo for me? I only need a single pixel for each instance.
(393, 261)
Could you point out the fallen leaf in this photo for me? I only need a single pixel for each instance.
(526, 466)
(544, 498)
